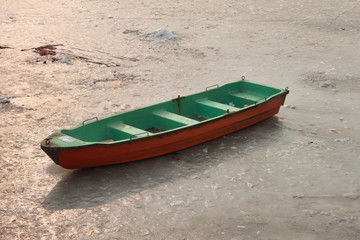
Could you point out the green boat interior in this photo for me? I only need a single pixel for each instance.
(177, 113)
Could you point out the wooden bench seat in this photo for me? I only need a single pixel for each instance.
(217, 105)
(175, 117)
(130, 130)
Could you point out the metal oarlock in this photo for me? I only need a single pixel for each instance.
(215, 85)
(260, 99)
(96, 118)
(134, 135)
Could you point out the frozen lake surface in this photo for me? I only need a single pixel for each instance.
(293, 176)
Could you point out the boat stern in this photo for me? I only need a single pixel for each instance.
(52, 151)
(57, 142)
(51, 148)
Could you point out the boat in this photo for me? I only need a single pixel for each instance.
(165, 127)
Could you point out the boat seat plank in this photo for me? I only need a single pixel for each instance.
(217, 105)
(175, 117)
(131, 130)
(248, 95)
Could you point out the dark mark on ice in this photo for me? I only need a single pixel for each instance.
(4, 100)
(128, 31)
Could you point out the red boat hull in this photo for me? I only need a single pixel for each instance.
(147, 147)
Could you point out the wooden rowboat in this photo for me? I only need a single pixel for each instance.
(165, 127)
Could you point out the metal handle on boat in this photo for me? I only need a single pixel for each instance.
(260, 99)
(134, 135)
(243, 78)
(83, 123)
(215, 85)
(47, 141)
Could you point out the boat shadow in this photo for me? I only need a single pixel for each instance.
(99, 185)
